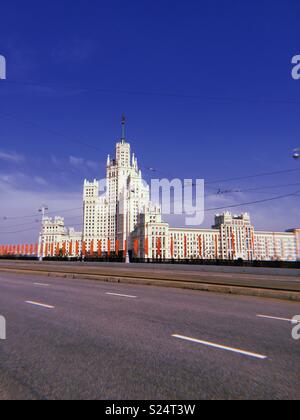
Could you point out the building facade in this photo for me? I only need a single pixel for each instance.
(231, 238)
(57, 240)
(111, 217)
(119, 217)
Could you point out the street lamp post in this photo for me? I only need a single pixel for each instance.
(296, 154)
(42, 210)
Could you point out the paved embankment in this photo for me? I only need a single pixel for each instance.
(272, 283)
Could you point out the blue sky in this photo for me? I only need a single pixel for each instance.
(206, 87)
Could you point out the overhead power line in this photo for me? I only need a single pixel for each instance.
(285, 171)
(280, 197)
(152, 169)
(256, 189)
(17, 231)
(252, 176)
(52, 212)
(56, 133)
(254, 202)
(80, 142)
(238, 178)
(27, 230)
(230, 206)
(62, 212)
(22, 224)
(34, 223)
(94, 89)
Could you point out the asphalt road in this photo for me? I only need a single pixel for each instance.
(89, 342)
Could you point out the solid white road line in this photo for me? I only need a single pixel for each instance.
(220, 347)
(42, 305)
(117, 294)
(41, 284)
(293, 321)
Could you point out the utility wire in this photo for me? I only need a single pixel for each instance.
(200, 97)
(154, 170)
(17, 231)
(280, 197)
(35, 222)
(239, 178)
(22, 224)
(281, 172)
(254, 202)
(206, 210)
(256, 189)
(57, 133)
(255, 176)
(211, 209)
(54, 132)
(54, 212)
(27, 230)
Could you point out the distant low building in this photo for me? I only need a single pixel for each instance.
(231, 238)
(296, 232)
(56, 239)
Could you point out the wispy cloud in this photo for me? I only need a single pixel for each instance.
(18, 205)
(11, 157)
(40, 181)
(22, 181)
(55, 173)
(55, 160)
(83, 163)
(93, 165)
(75, 161)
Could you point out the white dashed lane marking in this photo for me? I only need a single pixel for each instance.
(42, 305)
(275, 318)
(120, 295)
(221, 347)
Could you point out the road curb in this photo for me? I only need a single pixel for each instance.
(179, 284)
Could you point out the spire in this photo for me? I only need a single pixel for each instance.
(123, 128)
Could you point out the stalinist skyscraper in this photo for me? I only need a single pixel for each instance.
(111, 217)
(119, 216)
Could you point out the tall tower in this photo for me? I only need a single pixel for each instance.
(123, 148)
(114, 215)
